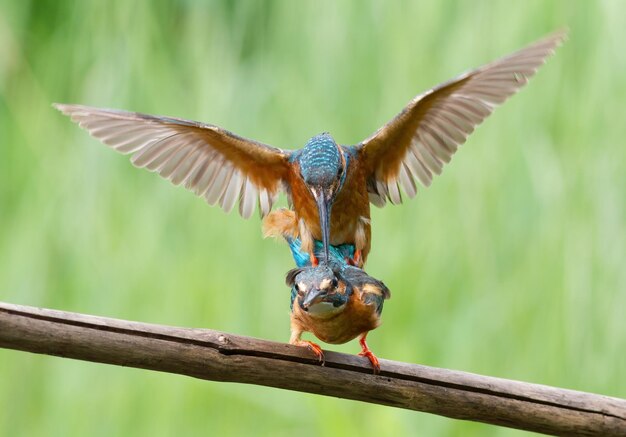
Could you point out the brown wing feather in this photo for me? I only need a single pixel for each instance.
(425, 135)
(212, 162)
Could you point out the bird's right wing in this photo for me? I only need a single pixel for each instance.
(212, 162)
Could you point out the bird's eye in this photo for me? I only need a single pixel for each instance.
(340, 171)
(334, 283)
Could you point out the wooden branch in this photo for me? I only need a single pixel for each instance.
(217, 356)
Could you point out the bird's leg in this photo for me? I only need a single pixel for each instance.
(366, 352)
(360, 241)
(295, 339)
(314, 261)
(356, 259)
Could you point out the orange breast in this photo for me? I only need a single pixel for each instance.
(350, 206)
(356, 319)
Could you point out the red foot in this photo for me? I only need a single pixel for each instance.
(314, 261)
(356, 260)
(315, 349)
(366, 352)
(370, 356)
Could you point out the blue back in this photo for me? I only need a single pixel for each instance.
(337, 254)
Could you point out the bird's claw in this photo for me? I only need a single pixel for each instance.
(370, 356)
(315, 349)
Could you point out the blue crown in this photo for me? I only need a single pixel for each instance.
(320, 160)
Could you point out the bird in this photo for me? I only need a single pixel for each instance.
(328, 186)
(334, 300)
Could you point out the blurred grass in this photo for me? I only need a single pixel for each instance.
(511, 264)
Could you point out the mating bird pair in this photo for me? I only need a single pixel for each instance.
(329, 186)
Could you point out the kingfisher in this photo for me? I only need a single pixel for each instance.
(328, 186)
(335, 300)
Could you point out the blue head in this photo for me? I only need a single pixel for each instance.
(323, 291)
(323, 169)
(317, 290)
(321, 163)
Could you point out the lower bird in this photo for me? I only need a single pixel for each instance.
(335, 300)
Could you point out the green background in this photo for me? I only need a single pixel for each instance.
(511, 264)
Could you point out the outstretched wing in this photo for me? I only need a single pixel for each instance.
(212, 162)
(425, 135)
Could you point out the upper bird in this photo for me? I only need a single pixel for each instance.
(329, 186)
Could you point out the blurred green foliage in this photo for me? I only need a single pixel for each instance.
(512, 264)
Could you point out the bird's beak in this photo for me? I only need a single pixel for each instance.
(323, 208)
(312, 297)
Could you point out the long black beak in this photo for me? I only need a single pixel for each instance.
(323, 208)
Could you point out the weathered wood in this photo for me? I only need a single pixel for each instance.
(218, 356)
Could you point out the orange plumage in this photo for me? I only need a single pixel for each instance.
(356, 319)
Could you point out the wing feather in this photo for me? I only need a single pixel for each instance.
(208, 160)
(265, 202)
(188, 165)
(218, 184)
(424, 136)
(232, 192)
(249, 196)
(199, 179)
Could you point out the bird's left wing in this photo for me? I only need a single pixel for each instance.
(372, 291)
(212, 162)
(424, 136)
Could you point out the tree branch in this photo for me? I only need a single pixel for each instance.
(217, 356)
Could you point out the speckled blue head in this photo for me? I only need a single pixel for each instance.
(321, 161)
(323, 169)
